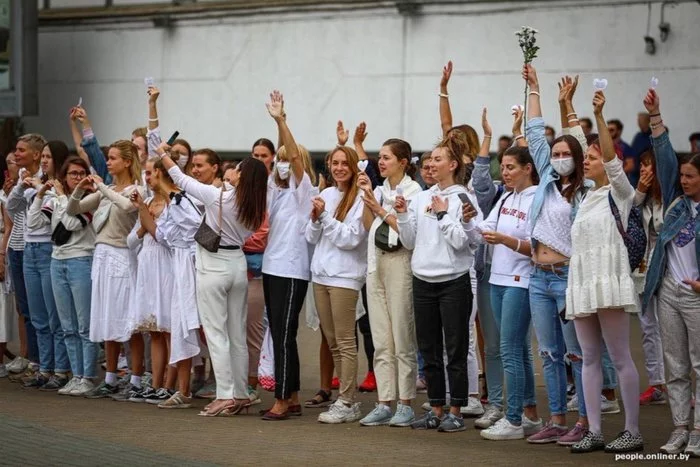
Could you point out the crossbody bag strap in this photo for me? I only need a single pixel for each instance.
(616, 215)
(500, 206)
(221, 209)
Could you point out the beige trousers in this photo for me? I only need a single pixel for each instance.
(336, 310)
(390, 302)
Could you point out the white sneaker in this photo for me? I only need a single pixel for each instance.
(122, 363)
(65, 390)
(341, 413)
(18, 365)
(82, 388)
(427, 407)
(530, 427)
(492, 414)
(473, 408)
(572, 405)
(3, 371)
(609, 407)
(503, 430)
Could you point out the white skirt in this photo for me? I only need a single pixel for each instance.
(112, 284)
(184, 340)
(153, 295)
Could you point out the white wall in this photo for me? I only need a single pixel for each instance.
(375, 65)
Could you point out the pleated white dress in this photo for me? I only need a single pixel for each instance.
(180, 222)
(151, 303)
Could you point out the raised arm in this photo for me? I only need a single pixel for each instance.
(341, 133)
(666, 158)
(76, 135)
(570, 122)
(518, 136)
(618, 180)
(92, 147)
(359, 141)
(207, 194)
(445, 111)
(79, 205)
(276, 110)
(36, 218)
(484, 188)
(119, 200)
(536, 141)
(153, 136)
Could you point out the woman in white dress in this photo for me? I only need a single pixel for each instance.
(152, 301)
(112, 281)
(600, 292)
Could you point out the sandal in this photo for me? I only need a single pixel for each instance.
(237, 407)
(320, 400)
(221, 411)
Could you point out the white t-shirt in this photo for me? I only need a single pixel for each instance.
(682, 261)
(288, 254)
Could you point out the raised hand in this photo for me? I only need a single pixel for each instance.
(652, 102)
(485, 125)
(446, 74)
(58, 187)
(645, 181)
(400, 205)
(163, 149)
(439, 204)
(530, 75)
(360, 134)
(136, 199)
(276, 105)
(319, 206)
(468, 212)
(341, 133)
(86, 184)
(518, 121)
(96, 179)
(153, 93)
(363, 181)
(598, 102)
(44, 188)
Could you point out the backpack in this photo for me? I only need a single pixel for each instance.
(635, 238)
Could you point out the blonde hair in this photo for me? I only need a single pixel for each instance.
(129, 153)
(34, 140)
(305, 159)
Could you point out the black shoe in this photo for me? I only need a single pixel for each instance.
(139, 394)
(54, 383)
(158, 396)
(429, 421)
(626, 442)
(591, 442)
(38, 380)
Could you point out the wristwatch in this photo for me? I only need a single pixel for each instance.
(440, 215)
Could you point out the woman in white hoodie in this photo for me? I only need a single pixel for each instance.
(507, 229)
(338, 271)
(429, 223)
(389, 287)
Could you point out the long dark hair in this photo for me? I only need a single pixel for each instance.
(576, 178)
(402, 150)
(647, 158)
(59, 155)
(522, 156)
(251, 193)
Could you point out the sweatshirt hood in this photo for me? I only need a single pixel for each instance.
(451, 190)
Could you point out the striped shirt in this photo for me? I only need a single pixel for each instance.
(17, 236)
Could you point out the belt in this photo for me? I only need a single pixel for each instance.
(556, 268)
(229, 247)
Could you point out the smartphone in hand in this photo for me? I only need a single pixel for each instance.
(173, 138)
(464, 198)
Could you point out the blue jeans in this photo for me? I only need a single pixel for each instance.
(556, 339)
(16, 260)
(511, 308)
(492, 338)
(42, 308)
(72, 290)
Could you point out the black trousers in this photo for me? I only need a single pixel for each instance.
(284, 298)
(366, 331)
(444, 308)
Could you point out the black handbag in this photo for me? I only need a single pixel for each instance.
(205, 235)
(60, 235)
(381, 239)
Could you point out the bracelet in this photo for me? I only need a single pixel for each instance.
(657, 125)
(517, 247)
(655, 115)
(518, 137)
(535, 93)
(573, 120)
(572, 113)
(442, 94)
(388, 213)
(152, 119)
(487, 136)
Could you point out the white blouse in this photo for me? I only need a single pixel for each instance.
(599, 270)
(181, 220)
(553, 226)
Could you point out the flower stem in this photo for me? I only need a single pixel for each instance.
(525, 111)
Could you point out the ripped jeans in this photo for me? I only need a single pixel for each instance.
(547, 299)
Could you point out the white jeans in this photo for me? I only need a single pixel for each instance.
(390, 302)
(222, 295)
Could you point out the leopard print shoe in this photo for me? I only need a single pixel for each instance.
(626, 442)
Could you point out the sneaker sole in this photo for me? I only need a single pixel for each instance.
(374, 423)
(452, 430)
(621, 451)
(611, 412)
(543, 441)
(155, 402)
(568, 443)
(137, 401)
(491, 437)
(586, 451)
(672, 451)
(401, 425)
(484, 424)
(472, 414)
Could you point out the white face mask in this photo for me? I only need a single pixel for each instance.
(182, 162)
(564, 166)
(282, 169)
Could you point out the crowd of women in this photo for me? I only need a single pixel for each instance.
(153, 248)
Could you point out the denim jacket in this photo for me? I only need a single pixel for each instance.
(97, 158)
(677, 211)
(541, 154)
(486, 195)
